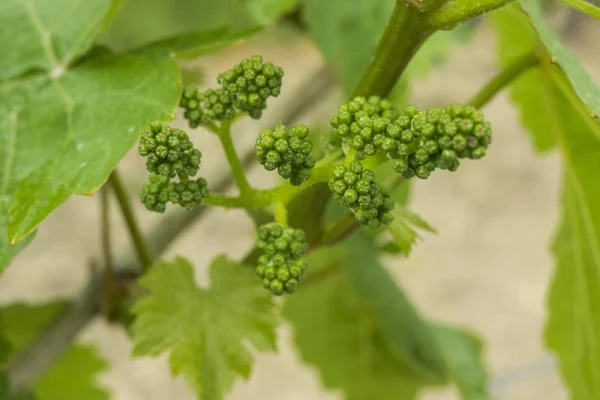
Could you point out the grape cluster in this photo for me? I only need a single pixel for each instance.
(160, 190)
(251, 82)
(201, 108)
(287, 150)
(355, 187)
(279, 265)
(439, 138)
(170, 153)
(363, 124)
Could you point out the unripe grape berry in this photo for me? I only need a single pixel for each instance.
(202, 108)
(286, 150)
(355, 187)
(250, 83)
(169, 151)
(281, 269)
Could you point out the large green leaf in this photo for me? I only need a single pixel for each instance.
(65, 127)
(41, 35)
(529, 92)
(72, 376)
(204, 330)
(340, 336)
(353, 353)
(584, 86)
(410, 336)
(573, 330)
(347, 32)
(140, 22)
(8, 251)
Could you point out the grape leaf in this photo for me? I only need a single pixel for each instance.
(401, 228)
(38, 35)
(140, 22)
(573, 329)
(346, 32)
(204, 329)
(340, 336)
(462, 352)
(516, 37)
(352, 352)
(400, 321)
(194, 45)
(8, 251)
(73, 375)
(265, 12)
(583, 85)
(76, 370)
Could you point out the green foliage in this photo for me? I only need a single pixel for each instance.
(72, 151)
(8, 251)
(403, 233)
(286, 150)
(516, 37)
(347, 41)
(280, 267)
(584, 86)
(266, 12)
(72, 376)
(204, 330)
(355, 187)
(353, 352)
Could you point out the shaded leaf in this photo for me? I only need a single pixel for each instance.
(74, 373)
(204, 330)
(340, 336)
(194, 45)
(529, 92)
(408, 334)
(583, 85)
(266, 12)
(462, 352)
(346, 32)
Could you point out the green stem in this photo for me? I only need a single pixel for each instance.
(455, 12)
(266, 198)
(236, 166)
(280, 212)
(143, 253)
(107, 253)
(584, 7)
(504, 78)
(401, 39)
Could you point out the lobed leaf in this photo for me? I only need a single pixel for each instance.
(401, 228)
(204, 330)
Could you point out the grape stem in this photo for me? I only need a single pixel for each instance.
(224, 133)
(143, 253)
(280, 211)
(584, 7)
(503, 78)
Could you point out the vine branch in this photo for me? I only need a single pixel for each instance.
(584, 6)
(232, 157)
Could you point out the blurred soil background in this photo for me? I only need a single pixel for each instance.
(488, 269)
